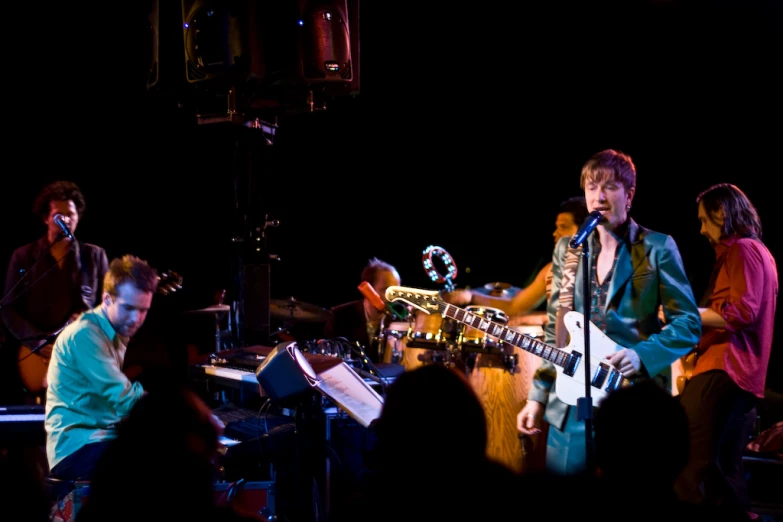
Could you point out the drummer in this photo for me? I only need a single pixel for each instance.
(360, 321)
(570, 216)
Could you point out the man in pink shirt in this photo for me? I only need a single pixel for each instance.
(733, 353)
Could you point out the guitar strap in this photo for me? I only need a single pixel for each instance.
(86, 290)
(566, 300)
(716, 268)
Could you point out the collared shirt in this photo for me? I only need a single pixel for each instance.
(745, 295)
(600, 290)
(88, 394)
(44, 295)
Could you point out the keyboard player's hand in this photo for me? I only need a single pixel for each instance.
(221, 427)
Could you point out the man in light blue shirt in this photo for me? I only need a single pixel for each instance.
(88, 394)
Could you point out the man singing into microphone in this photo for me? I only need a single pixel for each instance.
(633, 272)
(49, 282)
(360, 320)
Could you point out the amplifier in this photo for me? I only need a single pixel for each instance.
(252, 498)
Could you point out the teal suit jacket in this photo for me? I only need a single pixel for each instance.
(649, 272)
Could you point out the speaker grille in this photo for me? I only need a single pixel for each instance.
(326, 44)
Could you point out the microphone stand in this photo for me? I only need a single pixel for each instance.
(584, 405)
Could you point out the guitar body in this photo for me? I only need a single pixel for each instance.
(571, 388)
(33, 365)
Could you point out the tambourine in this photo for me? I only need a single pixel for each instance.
(435, 255)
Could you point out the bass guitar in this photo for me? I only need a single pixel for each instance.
(569, 361)
(33, 358)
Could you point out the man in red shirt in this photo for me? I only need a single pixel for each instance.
(733, 353)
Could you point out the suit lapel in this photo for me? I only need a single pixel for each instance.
(632, 254)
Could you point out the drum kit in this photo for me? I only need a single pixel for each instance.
(432, 339)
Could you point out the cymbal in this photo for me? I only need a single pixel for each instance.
(293, 309)
(214, 309)
(498, 290)
(496, 295)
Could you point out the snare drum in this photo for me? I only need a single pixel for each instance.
(393, 339)
(473, 339)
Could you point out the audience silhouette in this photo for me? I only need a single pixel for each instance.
(641, 446)
(430, 461)
(162, 465)
(21, 482)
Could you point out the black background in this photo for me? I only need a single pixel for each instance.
(471, 125)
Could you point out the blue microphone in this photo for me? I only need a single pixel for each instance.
(591, 221)
(58, 218)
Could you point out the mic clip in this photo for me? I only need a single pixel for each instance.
(396, 311)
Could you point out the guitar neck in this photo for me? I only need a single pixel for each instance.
(525, 342)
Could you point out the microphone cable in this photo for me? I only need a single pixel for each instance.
(371, 368)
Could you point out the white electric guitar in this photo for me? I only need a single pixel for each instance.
(569, 362)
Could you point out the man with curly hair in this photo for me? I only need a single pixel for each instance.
(49, 282)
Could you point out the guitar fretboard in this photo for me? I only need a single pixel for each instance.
(505, 334)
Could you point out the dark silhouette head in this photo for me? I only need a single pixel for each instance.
(644, 428)
(432, 406)
(162, 462)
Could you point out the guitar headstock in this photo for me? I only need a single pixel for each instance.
(428, 301)
(169, 282)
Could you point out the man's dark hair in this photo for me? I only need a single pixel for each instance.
(58, 191)
(577, 207)
(740, 217)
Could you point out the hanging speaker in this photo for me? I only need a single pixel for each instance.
(264, 50)
(304, 44)
(153, 44)
(163, 47)
(215, 40)
(325, 41)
